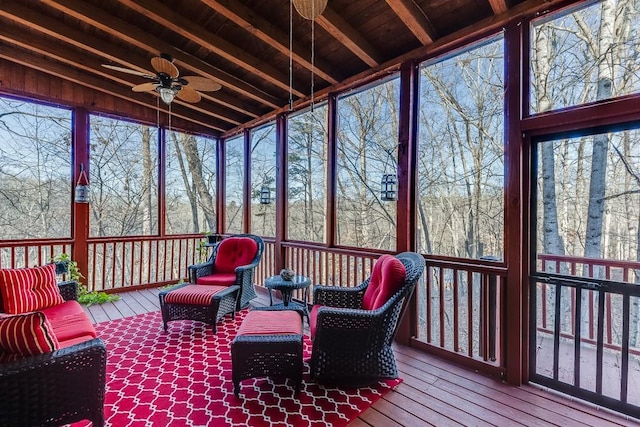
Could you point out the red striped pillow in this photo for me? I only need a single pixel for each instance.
(27, 334)
(29, 289)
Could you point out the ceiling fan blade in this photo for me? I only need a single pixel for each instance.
(189, 95)
(144, 87)
(162, 65)
(202, 83)
(128, 71)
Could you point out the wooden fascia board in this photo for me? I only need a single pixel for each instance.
(415, 19)
(161, 14)
(270, 34)
(137, 37)
(340, 29)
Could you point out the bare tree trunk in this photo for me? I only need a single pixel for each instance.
(147, 172)
(189, 186)
(190, 146)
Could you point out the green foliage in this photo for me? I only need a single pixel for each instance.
(84, 295)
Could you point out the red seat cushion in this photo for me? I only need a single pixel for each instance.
(193, 294)
(313, 319)
(26, 335)
(69, 321)
(387, 278)
(281, 322)
(218, 279)
(29, 289)
(234, 252)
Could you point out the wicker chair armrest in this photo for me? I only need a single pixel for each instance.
(339, 296)
(69, 290)
(242, 268)
(199, 270)
(87, 349)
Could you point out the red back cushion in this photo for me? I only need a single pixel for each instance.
(29, 289)
(234, 252)
(387, 278)
(27, 334)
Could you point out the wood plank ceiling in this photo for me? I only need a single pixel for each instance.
(241, 44)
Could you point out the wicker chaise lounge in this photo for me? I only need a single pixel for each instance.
(352, 328)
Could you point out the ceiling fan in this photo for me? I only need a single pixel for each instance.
(167, 81)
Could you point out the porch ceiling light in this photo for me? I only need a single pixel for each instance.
(310, 9)
(166, 94)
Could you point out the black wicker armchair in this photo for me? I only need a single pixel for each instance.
(56, 388)
(352, 345)
(232, 262)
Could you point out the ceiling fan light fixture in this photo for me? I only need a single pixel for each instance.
(310, 9)
(166, 94)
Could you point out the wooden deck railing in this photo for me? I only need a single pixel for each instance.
(624, 272)
(19, 253)
(460, 311)
(459, 304)
(125, 262)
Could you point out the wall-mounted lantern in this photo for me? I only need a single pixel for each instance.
(389, 187)
(265, 195)
(82, 187)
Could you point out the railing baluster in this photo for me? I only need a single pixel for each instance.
(470, 313)
(624, 369)
(600, 343)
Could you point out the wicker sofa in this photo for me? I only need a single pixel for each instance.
(62, 386)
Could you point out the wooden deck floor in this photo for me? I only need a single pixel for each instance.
(434, 391)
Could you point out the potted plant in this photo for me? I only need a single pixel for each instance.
(65, 265)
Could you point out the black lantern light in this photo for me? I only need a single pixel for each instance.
(389, 187)
(265, 195)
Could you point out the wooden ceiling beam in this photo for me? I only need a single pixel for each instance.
(499, 6)
(35, 62)
(44, 24)
(340, 29)
(177, 23)
(12, 35)
(143, 40)
(415, 19)
(265, 31)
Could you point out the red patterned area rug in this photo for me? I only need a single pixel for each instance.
(183, 378)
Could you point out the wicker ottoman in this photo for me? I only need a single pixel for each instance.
(204, 303)
(268, 344)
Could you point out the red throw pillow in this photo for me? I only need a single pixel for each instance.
(387, 278)
(26, 335)
(29, 289)
(234, 252)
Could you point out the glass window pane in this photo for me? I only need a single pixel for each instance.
(307, 175)
(589, 205)
(584, 56)
(35, 172)
(235, 179)
(190, 184)
(461, 154)
(124, 178)
(367, 149)
(263, 179)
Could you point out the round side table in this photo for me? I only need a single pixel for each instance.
(286, 287)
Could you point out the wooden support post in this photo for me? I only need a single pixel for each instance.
(222, 179)
(246, 187)
(282, 150)
(514, 300)
(407, 179)
(80, 212)
(332, 161)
